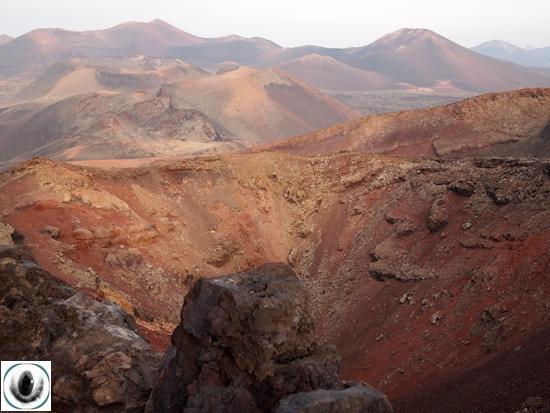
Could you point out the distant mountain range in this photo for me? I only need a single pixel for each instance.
(530, 57)
(405, 59)
(146, 90)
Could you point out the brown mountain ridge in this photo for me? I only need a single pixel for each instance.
(407, 58)
(201, 114)
(515, 123)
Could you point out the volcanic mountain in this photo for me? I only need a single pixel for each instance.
(424, 58)
(108, 75)
(244, 51)
(402, 59)
(204, 113)
(325, 72)
(42, 47)
(536, 57)
(407, 58)
(259, 105)
(104, 126)
(513, 123)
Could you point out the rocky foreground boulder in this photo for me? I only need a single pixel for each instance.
(99, 361)
(246, 343)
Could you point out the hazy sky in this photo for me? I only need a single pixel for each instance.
(335, 23)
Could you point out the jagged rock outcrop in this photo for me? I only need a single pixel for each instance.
(99, 362)
(246, 343)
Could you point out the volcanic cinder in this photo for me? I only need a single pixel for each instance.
(418, 240)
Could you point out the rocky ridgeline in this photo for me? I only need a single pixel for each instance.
(246, 344)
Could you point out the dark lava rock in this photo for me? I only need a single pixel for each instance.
(498, 197)
(245, 342)
(355, 398)
(99, 362)
(535, 405)
(462, 187)
(17, 237)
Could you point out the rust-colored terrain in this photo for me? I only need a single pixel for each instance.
(142, 108)
(515, 123)
(422, 237)
(422, 273)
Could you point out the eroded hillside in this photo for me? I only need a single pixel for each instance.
(156, 108)
(512, 123)
(419, 271)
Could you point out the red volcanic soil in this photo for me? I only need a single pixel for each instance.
(424, 274)
(501, 381)
(115, 163)
(500, 124)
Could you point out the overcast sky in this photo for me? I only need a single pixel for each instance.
(334, 23)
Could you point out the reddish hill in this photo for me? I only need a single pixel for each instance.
(245, 51)
(409, 58)
(424, 58)
(107, 75)
(326, 72)
(106, 126)
(405, 58)
(202, 114)
(504, 124)
(259, 105)
(42, 47)
(424, 274)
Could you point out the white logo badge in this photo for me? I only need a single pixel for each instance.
(26, 386)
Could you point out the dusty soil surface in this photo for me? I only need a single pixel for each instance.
(419, 271)
(501, 381)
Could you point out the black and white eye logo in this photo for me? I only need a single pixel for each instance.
(26, 386)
